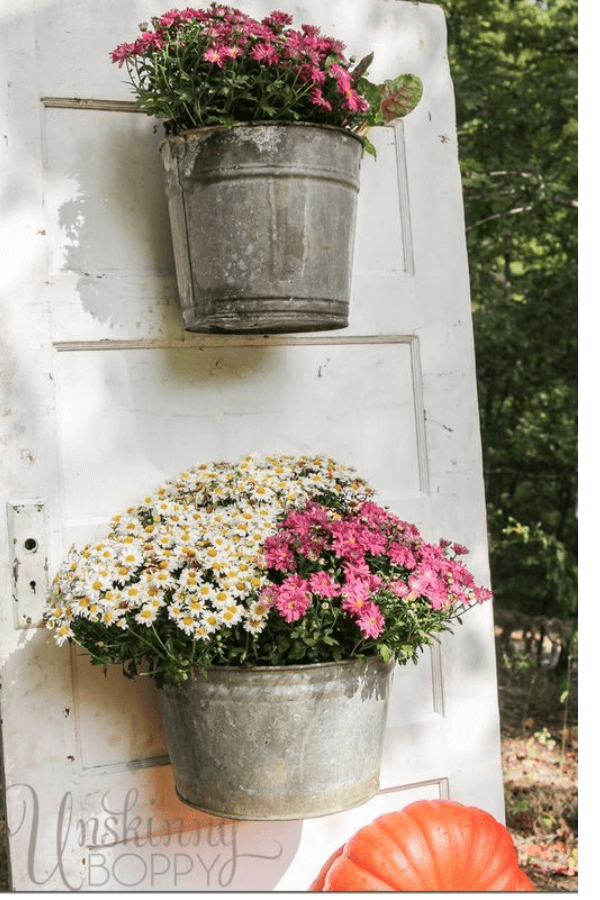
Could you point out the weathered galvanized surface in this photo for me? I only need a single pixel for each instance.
(263, 220)
(286, 742)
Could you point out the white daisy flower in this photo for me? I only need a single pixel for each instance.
(146, 615)
(210, 621)
(201, 633)
(258, 609)
(187, 623)
(62, 634)
(231, 614)
(255, 626)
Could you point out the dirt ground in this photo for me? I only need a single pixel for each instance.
(539, 721)
(538, 713)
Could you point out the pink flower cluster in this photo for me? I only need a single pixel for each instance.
(362, 561)
(224, 34)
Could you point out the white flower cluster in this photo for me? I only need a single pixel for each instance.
(194, 547)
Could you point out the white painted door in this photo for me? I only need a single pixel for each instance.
(104, 396)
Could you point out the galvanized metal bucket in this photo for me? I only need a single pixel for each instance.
(263, 221)
(281, 742)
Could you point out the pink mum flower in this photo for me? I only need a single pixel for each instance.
(322, 584)
(375, 542)
(402, 590)
(122, 53)
(268, 595)
(356, 571)
(312, 74)
(371, 621)
(349, 540)
(277, 19)
(278, 554)
(293, 598)
(482, 594)
(317, 99)
(354, 103)
(149, 40)
(265, 53)
(311, 30)
(304, 520)
(401, 555)
(231, 51)
(355, 597)
(215, 55)
(342, 77)
(460, 549)
(427, 583)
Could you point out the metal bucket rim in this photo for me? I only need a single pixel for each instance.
(191, 133)
(299, 667)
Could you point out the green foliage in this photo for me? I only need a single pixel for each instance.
(514, 67)
(391, 100)
(247, 564)
(544, 738)
(218, 66)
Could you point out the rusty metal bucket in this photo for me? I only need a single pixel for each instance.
(263, 220)
(281, 742)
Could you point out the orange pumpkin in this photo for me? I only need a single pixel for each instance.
(431, 845)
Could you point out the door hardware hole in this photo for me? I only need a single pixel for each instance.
(31, 545)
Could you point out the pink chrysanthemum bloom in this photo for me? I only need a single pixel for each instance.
(277, 553)
(427, 583)
(460, 550)
(265, 53)
(482, 594)
(311, 30)
(348, 540)
(122, 53)
(402, 590)
(149, 40)
(354, 103)
(401, 555)
(321, 583)
(277, 19)
(342, 77)
(371, 621)
(215, 55)
(268, 595)
(231, 51)
(355, 597)
(292, 605)
(312, 74)
(293, 598)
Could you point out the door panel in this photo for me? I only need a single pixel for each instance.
(106, 395)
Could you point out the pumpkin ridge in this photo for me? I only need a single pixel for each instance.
(359, 853)
(496, 864)
(474, 864)
(418, 873)
(461, 832)
(439, 845)
(444, 813)
(430, 847)
(347, 874)
(494, 870)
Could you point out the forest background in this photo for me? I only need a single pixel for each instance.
(514, 67)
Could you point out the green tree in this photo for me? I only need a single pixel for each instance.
(514, 66)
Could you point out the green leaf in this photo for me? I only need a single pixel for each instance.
(368, 146)
(400, 96)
